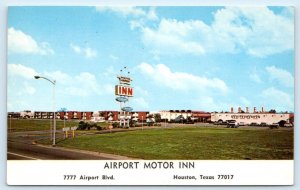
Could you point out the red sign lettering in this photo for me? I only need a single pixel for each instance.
(123, 90)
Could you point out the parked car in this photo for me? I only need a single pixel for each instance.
(263, 124)
(288, 125)
(241, 124)
(253, 124)
(274, 125)
(232, 124)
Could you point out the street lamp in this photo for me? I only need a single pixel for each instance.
(53, 100)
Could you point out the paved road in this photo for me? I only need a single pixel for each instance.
(20, 146)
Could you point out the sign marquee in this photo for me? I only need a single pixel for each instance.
(123, 91)
(124, 80)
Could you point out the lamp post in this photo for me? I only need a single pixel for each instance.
(53, 100)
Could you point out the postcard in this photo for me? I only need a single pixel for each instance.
(165, 95)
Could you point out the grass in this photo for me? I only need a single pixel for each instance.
(17, 125)
(196, 143)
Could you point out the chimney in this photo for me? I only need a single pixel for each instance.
(247, 109)
(231, 110)
(262, 109)
(254, 109)
(239, 110)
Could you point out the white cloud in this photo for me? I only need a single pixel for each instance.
(151, 15)
(135, 24)
(163, 75)
(75, 48)
(19, 42)
(255, 77)
(139, 16)
(141, 92)
(233, 30)
(109, 89)
(87, 52)
(84, 84)
(90, 53)
(21, 70)
(279, 100)
(206, 102)
(140, 102)
(124, 11)
(21, 86)
(245, 101)
(109, 71)
(63, 78)
(282, 76)
(173, 37)
(113, 57)
(28, 88)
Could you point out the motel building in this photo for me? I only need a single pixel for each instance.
(113, 116)
(196, 116)
(76, 115)
(254, 118)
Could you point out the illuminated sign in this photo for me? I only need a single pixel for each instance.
(122, 99)
(123, 91)
(127, 109)
(124, 80)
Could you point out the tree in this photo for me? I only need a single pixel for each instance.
(62, 110)
(101, 114)
(272, 111)
(157, 117)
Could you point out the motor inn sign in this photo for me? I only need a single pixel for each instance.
(123, 91)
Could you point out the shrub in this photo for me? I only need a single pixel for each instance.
(82, 125)
(115, 125)
(104, 127)
(99, 128)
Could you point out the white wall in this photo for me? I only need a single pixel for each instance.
(172, 115)
(248, 118)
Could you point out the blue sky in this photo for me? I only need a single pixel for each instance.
(200, 58)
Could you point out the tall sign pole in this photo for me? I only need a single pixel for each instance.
(123, 92)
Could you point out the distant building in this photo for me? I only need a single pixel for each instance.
(44, 115)
(80, 115)
(13, 114)
(197, 116)
(140, 115)
(26, 114)
(255, 117)
(109, 115)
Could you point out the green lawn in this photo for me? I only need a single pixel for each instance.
(197, 143)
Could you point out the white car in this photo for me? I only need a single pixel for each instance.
(232, 124)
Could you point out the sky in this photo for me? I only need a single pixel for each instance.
(199, 58)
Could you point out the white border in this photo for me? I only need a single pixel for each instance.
(3, 17)
(151, 172)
